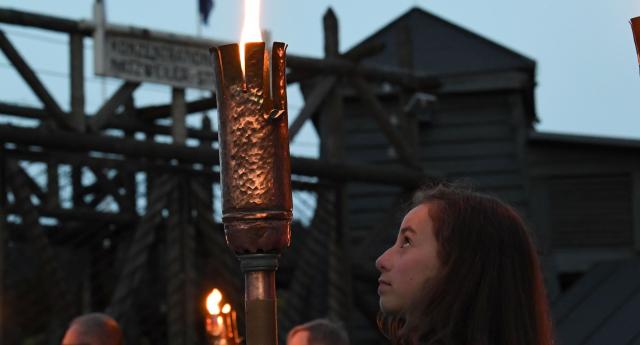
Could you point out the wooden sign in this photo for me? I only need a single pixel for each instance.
(142, 55)
(151, 60)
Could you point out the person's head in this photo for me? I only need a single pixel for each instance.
(318, 332)
(93, 329)
(463, 270)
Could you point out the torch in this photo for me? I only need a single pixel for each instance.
(220, 324)
(255, 171)
(635, 28)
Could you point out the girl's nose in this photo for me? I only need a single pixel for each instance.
(382, 262)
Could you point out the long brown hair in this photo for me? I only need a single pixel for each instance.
(490, 289)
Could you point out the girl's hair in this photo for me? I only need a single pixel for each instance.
(489, 290)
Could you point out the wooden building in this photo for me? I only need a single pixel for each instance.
(580, 194)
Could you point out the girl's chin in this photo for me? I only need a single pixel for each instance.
(388, 308)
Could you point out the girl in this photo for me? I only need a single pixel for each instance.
(463, 271)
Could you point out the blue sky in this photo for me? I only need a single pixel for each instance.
(588, 80)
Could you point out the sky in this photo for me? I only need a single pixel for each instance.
(587, 71)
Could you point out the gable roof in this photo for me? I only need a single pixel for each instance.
(440, 47)
(545, 138)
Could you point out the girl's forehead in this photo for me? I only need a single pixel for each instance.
(419, 213)
(417, 219)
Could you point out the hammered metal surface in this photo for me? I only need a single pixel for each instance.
(254, 148)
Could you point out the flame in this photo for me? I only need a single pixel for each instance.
(226, 309)
(213, 302)
(250, 28)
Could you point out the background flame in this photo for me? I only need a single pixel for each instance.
(226, 309)
(213, 302)
(251, 27)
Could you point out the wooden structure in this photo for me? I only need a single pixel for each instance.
(139, 213)
(420, 95)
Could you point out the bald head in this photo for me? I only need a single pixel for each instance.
(93, 329)
(318, 332)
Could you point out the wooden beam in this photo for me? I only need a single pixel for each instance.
(79, 142)
(59, 235)
(43, 22)
(126, 123)
(108, 109)
(155, 112)
(331, 127)
(312, 104)
(178, 115)
(76, 67)
(360, 52)
(408, 120)
(53, 185)
(53, 109)
(332, 136)
(80, 160)
(331, 35)
(35, 189)
(340, 66)
(131, 124)
(382, 118)
(103, 187)
(22, 111)
(89, 216)
(421, 81)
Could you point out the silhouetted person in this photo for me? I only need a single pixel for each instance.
(318, 332)
(93, 329)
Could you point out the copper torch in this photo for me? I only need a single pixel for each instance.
(255, 173)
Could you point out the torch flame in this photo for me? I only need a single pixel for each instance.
(213, 302)
(250, 28)
(226, 309)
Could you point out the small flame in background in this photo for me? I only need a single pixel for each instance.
(251, 31)
(226, 309)
(213, 302)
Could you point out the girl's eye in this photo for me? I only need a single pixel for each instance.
(405, 242)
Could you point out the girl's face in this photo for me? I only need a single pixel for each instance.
(409, 263)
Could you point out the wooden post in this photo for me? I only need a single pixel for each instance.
(76, 186)
(332, 148)
(331, 126)
(77, 80)
(180, 244)
(407, 120)
(128, 173)
(178, 114)
(52, 200)
(206, 125)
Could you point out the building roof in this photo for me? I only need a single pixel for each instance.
(535, 137)
(602, 308)
(442, 48)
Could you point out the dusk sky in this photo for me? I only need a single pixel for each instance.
(587, 70)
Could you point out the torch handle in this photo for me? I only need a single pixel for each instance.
(261, 322)
(260, 305)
